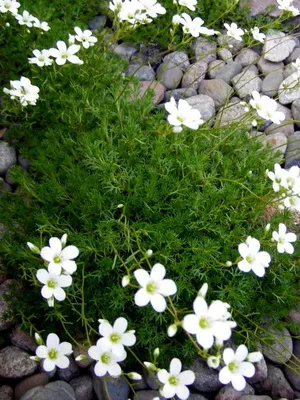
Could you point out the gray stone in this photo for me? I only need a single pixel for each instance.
(266, 67)
(292, 367)
(296, 112)
(141, 72)
(204, 50)
(151, 54)
(147, 395)
(294, 315)
(180, 93)
(97, 23)
(271, 83)
(252, 68)
(289, 70)
(280, 351)
(247, 57)
(292, 154)
(228, 71)
(22, 340)
(206, 378)
(33, 381)
(277, 142)
(180, 58)
(245, 82)
(229, 393)
(233, 44)
(254, 397)
(286, 127)
(196, 396)
(82, 363)
(8, 176)
(8, 157)
(6, 393)
(66, 374)
(275, 385)
(126, 50)
(214, 67)
(194, 75)
(5, 290)
(4, 187)
(58, 390)
(258, 6)
(225, 54)
(294, 55)
(16, 363)
(25, 164)
(152, 380)
(289, 90)
(277, 46)
(157, 88)
(204, 104)
(116, 388)
(169, 74)
(83, 387)
(261, 372)
(217, 89)
(231, 114)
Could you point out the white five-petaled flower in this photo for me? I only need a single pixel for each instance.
(9, 5)
(154, 288)
(53, 285)
(116, 335)
(85, 37)
(63, 53)
(41, 59)
(266, 108)
(234, 32)
(284, 240)
(213, 361)
(175, 382)
(182, 114)
(257, 35)
(190, 4)
(43, 25)
(24, 91)
(193, 26)
(209, 322)
(25, 19)
(107, 362)
(60, 257)
(286, 5)
(253, 259)
(278, 177)
(152, 8)
(54, 353)
(236, 367)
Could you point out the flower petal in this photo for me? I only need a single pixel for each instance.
(120, 325)
(247, 369)
(42, 275)
(238, 382)
(48, 365)
(52, 341)
(158, 302)
(55, 245)
(59, 294)
(225, 375)
(141, 298)
(158, 272)
(200, 306)
(62, 362)
(100, 369)
(205, 338)
(105, 329)
(182, 392)
(163, 375)
(168, 287)
(46, 292)
(114, 369)
(128, 339)
(69, 253)
(241, 353)
(47, 253)
(228, 356)
(190, 323)
(187, 377)
(175, 366)
(142, 276)
(65, 348)
(42, 351)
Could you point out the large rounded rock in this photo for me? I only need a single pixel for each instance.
(296, 111)
(126, 50)
(245, 82)
(217, 89)
(180, 58)
(254, 397)
(292, 154)
(204, 49)
(229, 393)
(261, 372)
(247, 57)
(22, 340)
(169, 74)
(292, 368)
(275, 385)
(271, 83)
(214, 67)
(228, 71)
(4, 306)
(277, 46)
(266, 67)
(141, 72)
(183, 93)
(204, 104)
(6, 393)
(194, 75)
(207, 379)
(116, 388)
(147, 395)
(158, 90)
(86, 362)
(71, 372)
(289, 90)
(97, 23)
(58, 390)
(281, 350)
(277, 142)
(33, 381)
(8, 157)
(83, 387)
(151, 55)
(16, 363)
(231, 114)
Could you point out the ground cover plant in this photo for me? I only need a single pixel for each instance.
(132, 194)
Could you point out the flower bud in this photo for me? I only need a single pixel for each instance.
(267, 228)
(172, 330)
(120, 205)
(35, 358)
(256, 356)
(50, 302)
(149, 252)
(213, 362)
(38, 339)
(33, 248)
(203, 290)
(219, 343)
(81, 357)
(228, 264)
(134, 376)
(150, 366)
(254, 123)
(64, 240)
(156, 352)
(125, 280)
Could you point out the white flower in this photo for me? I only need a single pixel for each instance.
(256, 356)
(172, 330)
(253, 259)
(154, 287)
(236, 368)
(43, 25)
(190, 4)
(85, 37)
(209, 322)
(125, 280)
(286, 5)
(175, 381)
(284, 240)
(131, 11)
(183, 114)
(203, 290)
(25, 19)
(41, 59)
(257, 35)
(152, 8)
(60, 258)
(53, 285)
(193, 26)
(116, 336)
(107, 362)
(149, 252)
(63, 53)
(213, 361)
(24, 91)
(266, 108)
(234, 32)
(115, 5)
(54, 353)
(9, 5)
(176, 20)
(278, 177)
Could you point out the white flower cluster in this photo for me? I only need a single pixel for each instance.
(190, 4)
(237, 33)
(253, 259)
(266, 108)
(286, 5)
(182, 114)
(61, 266)
(192, 26)
(287, 184)
(25, 18)
(24, 91)
(136, 12)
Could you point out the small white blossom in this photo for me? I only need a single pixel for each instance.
(125, 280)
(183, 114)
(228, 263)
(193, 26)
(9, 6)
(286, 5)
(134, 376)
(63, 53)
(236, 368)
(284, 240)
(234, 32)
(156, 352)
(267, 227)
(256, 356)
(154, 288)
(213, 361)
(190, 4)
(25, 19)
(152, 8)
(85, 37)
(107, 362)
(43, 25)
(41, 59)
(24, 91)
(54, 353)
(149, 252)
(53, 285)
(266, 108)
(278, 177)
(253, 259)
(175, 382)
(257, 35)
(172, 330)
